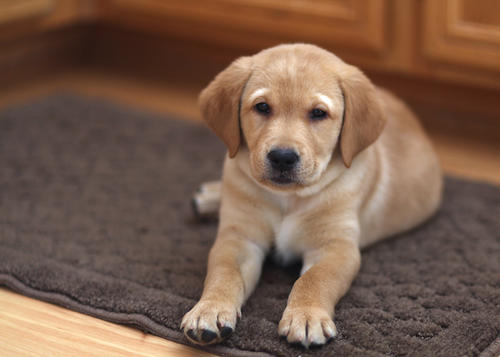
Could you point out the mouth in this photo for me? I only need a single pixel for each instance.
(281, 179)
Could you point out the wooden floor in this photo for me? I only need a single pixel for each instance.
(33, 328)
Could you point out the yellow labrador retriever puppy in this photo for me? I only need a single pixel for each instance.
(320, 164)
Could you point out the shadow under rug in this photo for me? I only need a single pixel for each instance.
(95, 216)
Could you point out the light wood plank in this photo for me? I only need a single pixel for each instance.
(30, 327)
(472, 160)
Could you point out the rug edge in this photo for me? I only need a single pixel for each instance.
(493, 350)
(137, 321)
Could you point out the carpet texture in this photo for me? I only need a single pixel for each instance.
(95, 216)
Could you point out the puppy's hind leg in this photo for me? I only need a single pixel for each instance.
(206, 200)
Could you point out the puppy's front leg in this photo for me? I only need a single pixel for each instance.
(308, 316)
(234, 267)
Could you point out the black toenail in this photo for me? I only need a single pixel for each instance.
(315, 345)
(328, 339)
(192, 335)
(208, 335)
(226, 331)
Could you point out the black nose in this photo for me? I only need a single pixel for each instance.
(283, 159)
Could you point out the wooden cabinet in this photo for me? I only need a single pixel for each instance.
(25, 17)
(15, 10)
(452, 40)
(463, 32)
(255, 24)
(447, 40)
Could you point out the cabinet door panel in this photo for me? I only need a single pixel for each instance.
(13, 10)
(354, 24)
(463, 32)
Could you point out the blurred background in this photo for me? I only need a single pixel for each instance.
(441, 56)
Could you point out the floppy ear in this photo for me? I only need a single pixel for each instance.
(220, 102)
(364, 119)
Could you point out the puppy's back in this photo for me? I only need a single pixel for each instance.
(410, 177)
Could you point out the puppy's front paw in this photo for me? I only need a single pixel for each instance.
(307, 326)
(210, 322)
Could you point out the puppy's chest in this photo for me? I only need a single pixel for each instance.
(287, 245)
(289, 240)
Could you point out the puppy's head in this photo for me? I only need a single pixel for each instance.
(290, 106)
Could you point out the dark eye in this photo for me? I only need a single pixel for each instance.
(263, 108)
(318, 114)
